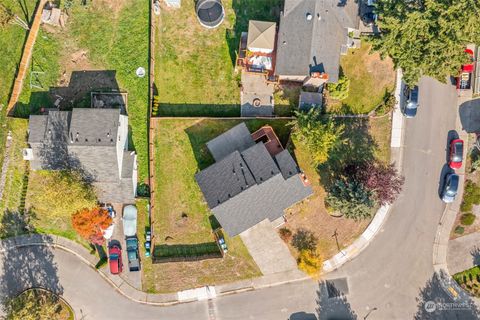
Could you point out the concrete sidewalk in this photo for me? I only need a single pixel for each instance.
(396, 144)
(463, 253)
(135, 295)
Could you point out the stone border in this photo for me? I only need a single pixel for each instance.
(396, 146)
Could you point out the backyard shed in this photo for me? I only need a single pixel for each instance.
(261, 36)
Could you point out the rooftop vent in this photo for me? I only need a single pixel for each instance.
(309, 16)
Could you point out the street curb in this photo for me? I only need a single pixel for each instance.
(445, 226)
(396, 149)
(128, 291)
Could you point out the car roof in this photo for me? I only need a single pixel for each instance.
(454, 179)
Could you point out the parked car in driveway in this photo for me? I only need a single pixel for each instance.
(410, 104)
(456, 154)
(129, 221)
(450, 188)
(115, 259)
(132, 254)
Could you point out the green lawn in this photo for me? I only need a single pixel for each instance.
(115, 38)
(11, 42)
(181, 215)
(194, 72)
(371, 80)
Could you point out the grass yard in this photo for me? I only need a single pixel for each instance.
(105, 35)
(367, 140)
(371, 80)
(194, 72)
(12, 38)
(181, 214)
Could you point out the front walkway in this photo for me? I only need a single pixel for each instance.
(463, 253)
(270, 253)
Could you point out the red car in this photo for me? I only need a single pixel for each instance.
(115, 259)
(464, 80)
(456, 153)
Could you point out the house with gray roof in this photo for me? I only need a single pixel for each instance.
(250, 183)
(93, 141)
(311, 38)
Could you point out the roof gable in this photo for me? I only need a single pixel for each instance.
(94, 127)
(237, 138)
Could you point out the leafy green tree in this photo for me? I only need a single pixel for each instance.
(427, 37)
(351, 198)
(318, 135)
(35, 305)
(339, 90)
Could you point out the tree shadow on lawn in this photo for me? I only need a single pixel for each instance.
(245, 10)
(359, 147)
(25, 267)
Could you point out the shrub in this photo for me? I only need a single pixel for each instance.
(36, 304)
(318, 136)
(90, 223)
(383, 180)
(352, 199)
(143, 190)
(467, 219)
(285, 234)
(310, 262)
(471, 196)
(459, 230)
(339, 90)
(304, 240)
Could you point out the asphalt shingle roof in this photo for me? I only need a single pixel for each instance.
(247, 187)
(311, 45)
(261, 34)
(94, 127)
(237, 138)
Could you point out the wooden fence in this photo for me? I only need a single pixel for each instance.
(26, 57)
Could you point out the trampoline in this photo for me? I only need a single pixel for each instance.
(210, 13)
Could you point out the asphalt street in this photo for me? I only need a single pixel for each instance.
(391, 279)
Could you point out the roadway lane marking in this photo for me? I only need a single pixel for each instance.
(212, 310)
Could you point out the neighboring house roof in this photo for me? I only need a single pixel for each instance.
(237, 138)
(261, 34)
(246, 187)
(88, 140)
(311, 35)
(309, 100)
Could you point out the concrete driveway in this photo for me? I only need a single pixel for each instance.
(270, 253)
(463, 253)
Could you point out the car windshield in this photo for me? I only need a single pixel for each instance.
(113, 256)
(132, 243)
(452, 186)
(414, 95)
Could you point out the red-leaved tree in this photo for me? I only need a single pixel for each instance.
(90, 223)
(381, 179)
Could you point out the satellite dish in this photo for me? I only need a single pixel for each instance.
(141, 72)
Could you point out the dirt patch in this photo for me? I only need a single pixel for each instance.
(115, 6)
(383, 69)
